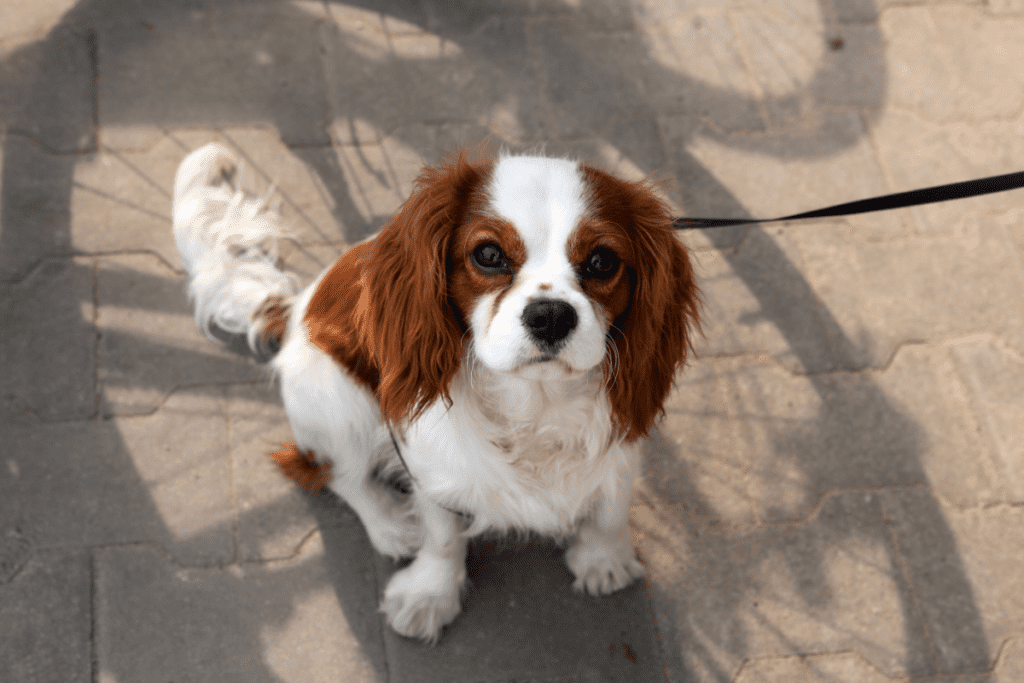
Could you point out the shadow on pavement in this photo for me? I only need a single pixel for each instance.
(215, 65)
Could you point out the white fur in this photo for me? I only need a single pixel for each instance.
(545, 199)
(523, 446)
(227, 242)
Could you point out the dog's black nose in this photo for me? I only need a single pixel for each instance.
(549, 321)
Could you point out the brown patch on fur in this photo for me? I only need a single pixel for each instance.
(301, 466)
(653, 299)
(336, 317)
(384, 311)
(275, 314)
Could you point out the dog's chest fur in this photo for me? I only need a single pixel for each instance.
(519, 454)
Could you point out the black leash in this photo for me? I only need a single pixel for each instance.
(898, 200)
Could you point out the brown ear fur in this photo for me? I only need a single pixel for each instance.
(415, 335)
(654, 335)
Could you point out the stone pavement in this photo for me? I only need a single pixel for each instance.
(836, 493)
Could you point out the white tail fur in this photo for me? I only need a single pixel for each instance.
(228, 244)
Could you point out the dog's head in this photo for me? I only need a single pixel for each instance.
(540, 268)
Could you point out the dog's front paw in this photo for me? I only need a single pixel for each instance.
(603, 565)
(422, 598)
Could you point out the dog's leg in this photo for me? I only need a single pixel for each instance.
(602, 556)
(420, 599)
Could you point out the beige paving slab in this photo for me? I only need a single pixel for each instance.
(917, 153)
(965, 573)
(994, 377)
(46, 620)
(49, 361)
(829, 161)
(832, 584)
(26, 21)
(696, 67)
(849, 667)
(801, 61)
(149, 344)
(884, 295)
(267, 622)
(756, 301)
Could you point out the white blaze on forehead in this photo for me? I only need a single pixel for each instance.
(543, 198)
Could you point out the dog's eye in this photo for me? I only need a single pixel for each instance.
(489, 258)
(601, 263)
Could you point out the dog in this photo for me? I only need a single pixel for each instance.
(504, 343)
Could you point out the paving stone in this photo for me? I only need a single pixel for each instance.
(745, 441)
(46, 621)
(163, 478)
(48, 92)
(882, 296)
(182, 459)
(995, 378)
(48, 360)
(521, 620)
(777, 174)
(966, 572)
(149, 343)
(485, 77)
(832, 584)
(917, 153)
(29, 20)
(813, 669)
(937, 69)
(122, 201)
(591, 78)
(796, 69)
(273, 515)
(756, 301)
(35, 215)
(695, 68)
(253, 623)
(275, 76)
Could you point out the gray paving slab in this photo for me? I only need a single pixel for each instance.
(162, 478)
(46, 620)
(49, 94)
(273, 516)
(521, 620)
(252, 623)
(49, 361)
(832, 584)
(36, 187)
(182, 80)
(964, 573)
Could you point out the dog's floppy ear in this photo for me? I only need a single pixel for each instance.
(415, 335)
(654, 335)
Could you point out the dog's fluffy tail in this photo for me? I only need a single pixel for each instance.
(228, 244)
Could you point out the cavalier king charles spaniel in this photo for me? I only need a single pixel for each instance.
(504, 343)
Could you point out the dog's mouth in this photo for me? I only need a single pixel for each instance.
(543, 358)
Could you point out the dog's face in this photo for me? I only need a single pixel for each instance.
(540, 268)
(536, 272)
